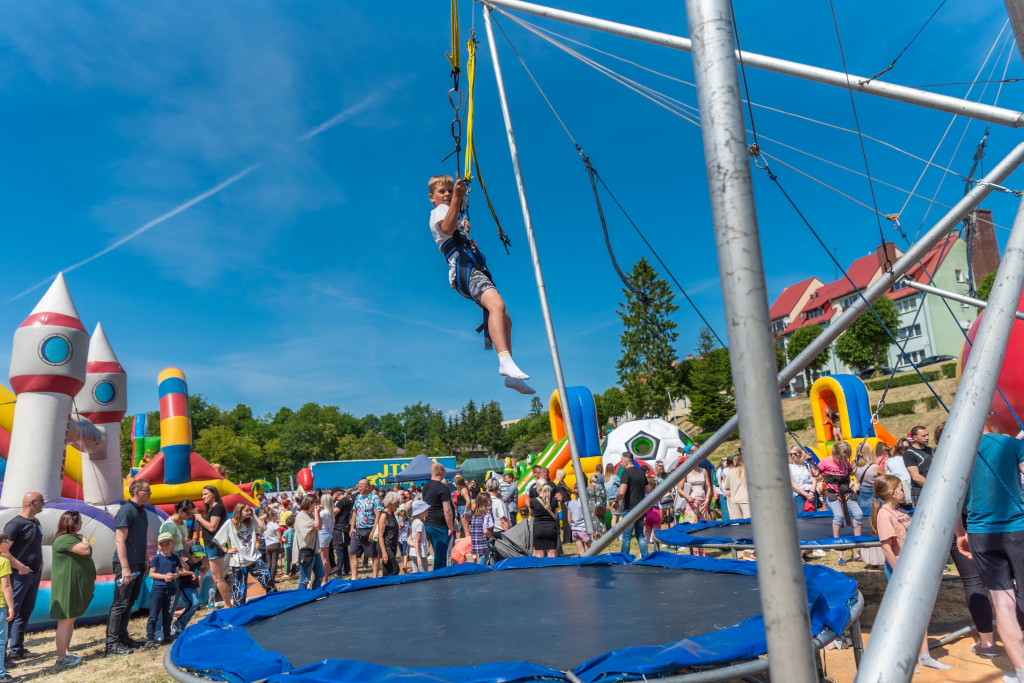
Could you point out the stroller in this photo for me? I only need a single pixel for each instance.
(516, 542)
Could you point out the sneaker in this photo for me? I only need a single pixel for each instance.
(819, 553)
(150, 645)
(23, 654)
(988, 652)
(8, 678)
(842, 561)
(132, 643)
(116, 649)
(69, 661)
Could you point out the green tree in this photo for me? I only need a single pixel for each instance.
(985, 286)
(645, 368)
(799, 341)
(491, 435)
(239, 455)
(866, 342)
(610, 404)
(533, 444)
(536, 407)
(711, 392)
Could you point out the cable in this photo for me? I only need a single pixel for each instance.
(860, 138)
(907, 47)
(593, 174)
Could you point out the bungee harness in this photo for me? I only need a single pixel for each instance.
(467, 257)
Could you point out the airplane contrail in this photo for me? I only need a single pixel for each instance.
(313, 132)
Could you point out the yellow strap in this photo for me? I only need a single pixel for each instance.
(454, 58)
(471, 69)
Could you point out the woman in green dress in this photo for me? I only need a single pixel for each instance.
(73, 577)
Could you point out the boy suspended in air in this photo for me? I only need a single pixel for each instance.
(468, 274)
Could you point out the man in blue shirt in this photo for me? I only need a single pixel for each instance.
(995, 535)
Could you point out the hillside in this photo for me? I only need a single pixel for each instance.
(799, 407)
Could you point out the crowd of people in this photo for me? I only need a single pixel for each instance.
(393, 530)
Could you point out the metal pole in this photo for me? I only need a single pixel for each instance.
(907, 605)
(962, 298)
(780, 573)
(900, 93)
(570, 432)
(1015, 10)
(912, 256)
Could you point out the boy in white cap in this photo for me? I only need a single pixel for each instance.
(419, 543)
(164, 569)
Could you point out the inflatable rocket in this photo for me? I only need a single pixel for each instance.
(47, 369)
(103, 401)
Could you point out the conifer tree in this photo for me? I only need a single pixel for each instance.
(711, 392)
(645, 368)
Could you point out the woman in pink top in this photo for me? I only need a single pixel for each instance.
(837, 470)
(891, 524)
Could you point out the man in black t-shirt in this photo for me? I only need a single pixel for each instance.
(130, 541)
(342, 522)
(26, 556)
(440, 521)
(918, 459)
(632, 489)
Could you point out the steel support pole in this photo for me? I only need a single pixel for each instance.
(910, 258)
(570, 432)
(780, 573)
(962, 298)
(900, 93)
(1015, 10)
(907, 605)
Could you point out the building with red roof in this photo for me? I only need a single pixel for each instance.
(926, 326)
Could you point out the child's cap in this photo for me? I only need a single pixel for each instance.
(165, 537)
(197, 550)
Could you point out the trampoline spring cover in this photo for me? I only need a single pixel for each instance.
(813, 528)
(415, 625)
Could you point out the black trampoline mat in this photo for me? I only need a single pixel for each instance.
(807, 529)
(557, 617)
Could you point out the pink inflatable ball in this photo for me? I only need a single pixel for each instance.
(306, 479)
(1011, 376)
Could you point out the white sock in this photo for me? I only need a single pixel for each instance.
(508, 368)
(519, 385)
(1014, 677)
(926, 660)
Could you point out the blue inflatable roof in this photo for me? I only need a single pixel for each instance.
(223, 646)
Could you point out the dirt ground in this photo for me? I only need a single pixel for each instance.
(147, 666)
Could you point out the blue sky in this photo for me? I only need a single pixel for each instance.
(311, 276)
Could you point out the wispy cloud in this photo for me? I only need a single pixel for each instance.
(335, 120)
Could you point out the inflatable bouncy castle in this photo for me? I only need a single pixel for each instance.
(841, 412)
(74, 460)
(557, 455)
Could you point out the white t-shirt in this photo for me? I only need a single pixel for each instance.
(498, 510)
(245, 539)
(270, 537)
(576, 514)
(801, 477)
(422, 551)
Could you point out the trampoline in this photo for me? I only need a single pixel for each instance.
(572, 619)
(813, 528)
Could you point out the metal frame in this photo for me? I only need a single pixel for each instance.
(738, 243)
(916, 577)
(900, 93)
(962, 298)
(542, 292)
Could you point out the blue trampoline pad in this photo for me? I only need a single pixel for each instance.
(525, 619)
(812, 528)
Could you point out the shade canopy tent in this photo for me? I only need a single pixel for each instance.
(417, 470)
(477, 468)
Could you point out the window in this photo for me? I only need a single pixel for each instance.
(914, 356)
(778, 327)
(909, 332)
(814, 313)
(907, 304)
(848, 301)
(901, 284)
(959, 275)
